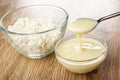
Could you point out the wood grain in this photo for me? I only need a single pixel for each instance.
(14, 66)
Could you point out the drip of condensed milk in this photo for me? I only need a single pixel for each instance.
(82, 26)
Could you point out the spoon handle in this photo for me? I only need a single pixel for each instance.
(109, 16)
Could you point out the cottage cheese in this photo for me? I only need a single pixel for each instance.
(36, 43)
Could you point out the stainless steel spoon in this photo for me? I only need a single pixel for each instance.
(94, 25)
(108, 17)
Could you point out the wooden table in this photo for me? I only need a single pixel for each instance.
(14, 66)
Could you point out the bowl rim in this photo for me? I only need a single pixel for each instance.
(41, 5)
(103, 42)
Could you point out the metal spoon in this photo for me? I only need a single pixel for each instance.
(85, 25)
(108, 17)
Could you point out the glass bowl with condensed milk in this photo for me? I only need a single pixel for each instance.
(82, 59)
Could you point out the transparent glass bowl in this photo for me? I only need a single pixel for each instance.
(17, 40)
(83, 66)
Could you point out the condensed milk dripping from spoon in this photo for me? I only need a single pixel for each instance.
(83, 26)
